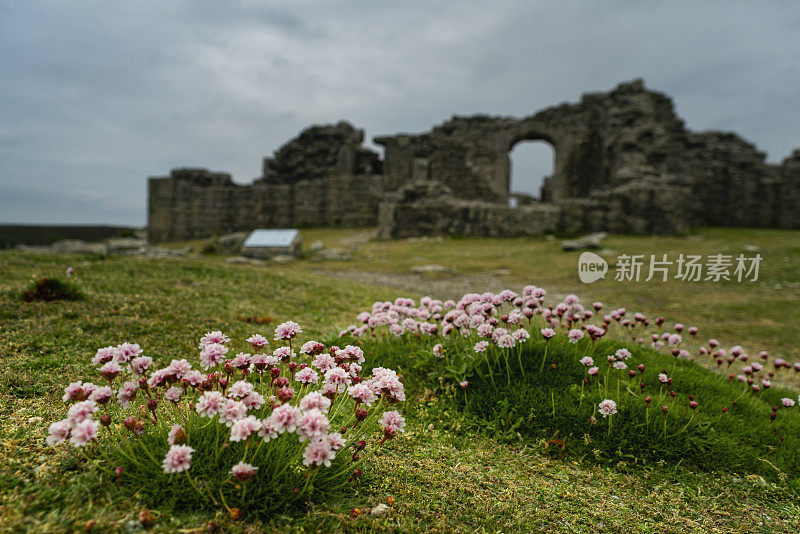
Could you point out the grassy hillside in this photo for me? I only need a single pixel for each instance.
(443, 474)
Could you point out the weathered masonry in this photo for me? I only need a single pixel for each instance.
(624, 162)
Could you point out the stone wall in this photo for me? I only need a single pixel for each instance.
(624, 162)
(323, 177)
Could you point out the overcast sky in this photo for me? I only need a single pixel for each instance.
(95, 96)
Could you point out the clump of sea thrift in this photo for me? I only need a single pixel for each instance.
(316, 408)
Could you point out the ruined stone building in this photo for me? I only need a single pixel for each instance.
(624, 162)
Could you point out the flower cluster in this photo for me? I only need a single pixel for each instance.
(494, 326)
(317, 403)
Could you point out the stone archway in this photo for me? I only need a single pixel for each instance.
(531, 162)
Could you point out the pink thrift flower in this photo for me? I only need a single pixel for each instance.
(307, 375)
(231, 411)
(178, 459)
(243, 472)
(127, 392)
(126, 352)
(386, 381)
(240, 389)
(575, 335)
(324, 362)
(241, 361)
(210, 403)
(620, 365)
(787, 402)
(193, 378)
(485, 330)
(338, 378)
(212, 354)
(287, 330)
(284, 418)
(316, 401)
(593, 371)
(243, 428)
(438, 350)
(481, 346)
(58, 432)
(83, 432)
(335, 441)
(607, 407)
(211, 338)
(318, 453)
(392, 422)
(104, 355)
(548, 333)
(588, 361)
(622, 354)
(312, 348)
(284, 353)
(81, 411)
(110, 370)
(253, 400)
(174, 394)
(101, 395)
(521, 335)
(73, 392)
(267, 431)
(257, 341)
(663, 378)
(141, 364)
(176, 435)
(312, 425)
(362, 393)
(506, 341)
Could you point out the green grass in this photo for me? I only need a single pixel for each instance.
(442, 474)
(528, 395)
(753, 314)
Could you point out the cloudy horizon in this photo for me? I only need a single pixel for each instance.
(97, 96)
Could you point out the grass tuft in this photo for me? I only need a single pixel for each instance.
(50, 290)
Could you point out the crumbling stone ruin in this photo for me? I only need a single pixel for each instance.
(624, 163)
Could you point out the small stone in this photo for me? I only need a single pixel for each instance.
(316, 246)
(334, 254)
(241, 260)
(591, 241)
(282, 258)
(34, 420)
(379, 510)
(419, 269)
(751, 248)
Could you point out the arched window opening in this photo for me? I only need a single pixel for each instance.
(531, 163)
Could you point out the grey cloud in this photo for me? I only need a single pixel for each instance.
(95, 96)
